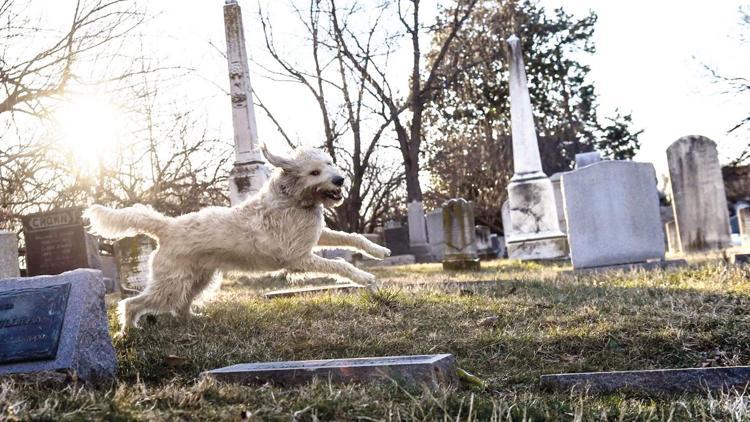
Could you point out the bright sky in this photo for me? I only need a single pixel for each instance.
(648, 62)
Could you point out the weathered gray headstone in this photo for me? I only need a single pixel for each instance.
(460, 237)
(435, 235)
(397, 240)
(743, 216)
(698, 195)
(8, 255)
(672, 381)
(109, 272)
(587, 158)
(132, 255)
(56, 241)
(57, 324)
(505, 216)
(430, 370)
(535, 232)
(612, 209)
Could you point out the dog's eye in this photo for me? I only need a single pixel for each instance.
(315, 173)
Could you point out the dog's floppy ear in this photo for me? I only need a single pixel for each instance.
(276, 160)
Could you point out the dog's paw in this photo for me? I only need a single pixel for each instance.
(364, 278)
(379, 252)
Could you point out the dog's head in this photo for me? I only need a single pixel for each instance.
(308, 176)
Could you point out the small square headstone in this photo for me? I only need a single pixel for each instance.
(56, 242)
(56, 324)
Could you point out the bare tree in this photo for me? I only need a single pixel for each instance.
(408, 126)
(346, 106)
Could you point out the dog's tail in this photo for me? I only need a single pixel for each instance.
(125, 222)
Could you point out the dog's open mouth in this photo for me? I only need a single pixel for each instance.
(334, 194)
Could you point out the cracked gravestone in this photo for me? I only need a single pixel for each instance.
(56, 324)
(430, 370)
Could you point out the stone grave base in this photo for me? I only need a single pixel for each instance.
(649, 265)
(671, 381)
(538, 248)
(462, 265)
(430, 370)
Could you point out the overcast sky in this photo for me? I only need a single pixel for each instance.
(649, 61)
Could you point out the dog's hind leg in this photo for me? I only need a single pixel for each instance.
(200, 284)
(315, 263)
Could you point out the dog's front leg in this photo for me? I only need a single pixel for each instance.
(330, 237)
(315, 263)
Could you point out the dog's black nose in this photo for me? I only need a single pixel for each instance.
(338, 181)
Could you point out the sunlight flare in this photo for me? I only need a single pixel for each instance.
(88, 129)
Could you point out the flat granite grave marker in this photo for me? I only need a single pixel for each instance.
(56, 324)
(672, 381)
(430, 370)
(335, 288)
(56, 242)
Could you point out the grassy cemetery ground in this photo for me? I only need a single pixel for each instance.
(532, 323)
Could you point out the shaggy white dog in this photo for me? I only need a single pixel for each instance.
(274, 229)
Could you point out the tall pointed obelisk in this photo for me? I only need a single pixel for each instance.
(249, 171)
(535, 230)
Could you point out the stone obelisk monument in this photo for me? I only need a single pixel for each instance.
(535, 230)
(249, 171)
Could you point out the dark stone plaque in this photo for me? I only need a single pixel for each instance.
(397, 240)
(31, 321)
(55, 242)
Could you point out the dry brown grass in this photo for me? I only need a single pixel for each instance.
(545, 324)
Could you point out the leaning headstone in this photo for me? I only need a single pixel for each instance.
(56, 242)
(132, 255)
(8, 255)
(612, 209)
(432, 371)
(698, 195)
(659, 381)
(435, 234)
(397, 240)
(587, 158)
(743, 216)
(460, 238)
(56, 324)
(535, 232)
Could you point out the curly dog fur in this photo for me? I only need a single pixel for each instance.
(275, 229)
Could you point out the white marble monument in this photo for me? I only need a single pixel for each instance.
(612, 210)
(249, 171)
(743, 218)
(535, 230)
